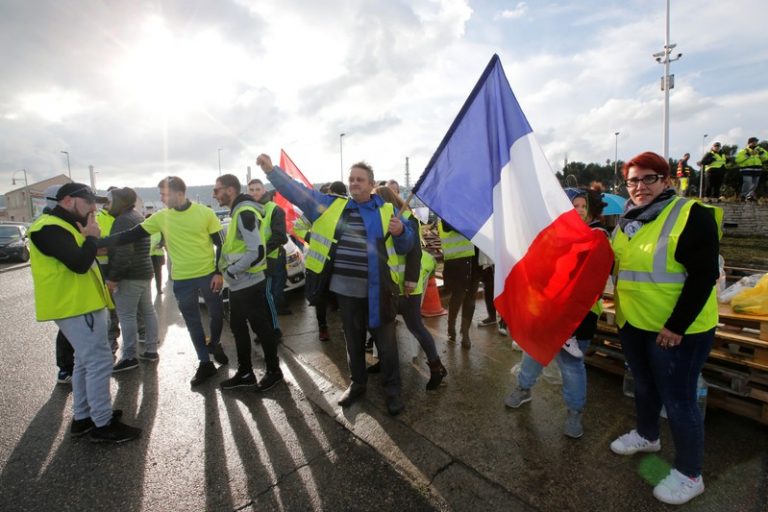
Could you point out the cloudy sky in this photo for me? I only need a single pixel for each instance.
(143, 89)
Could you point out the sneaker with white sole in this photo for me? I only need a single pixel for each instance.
(632, 442)
(678, 488)
(572, 347)
(64, 377)
(486, 322)
(517, 397)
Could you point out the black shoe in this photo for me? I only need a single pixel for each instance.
(239, 380)
(395, 405)
(324, 335)
(486, 322)
(269, 380)
(81, 427)
(218, 354)
(374, 368)
(124, 365)
(114, 432)
(369, 345)
(204, 370)
(350, 396)
(149, 356)
(466, 343)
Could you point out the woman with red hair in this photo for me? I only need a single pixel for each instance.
(666, 250)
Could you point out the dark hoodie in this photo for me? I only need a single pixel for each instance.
(130, 261)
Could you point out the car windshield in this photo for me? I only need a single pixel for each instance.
(9, 232)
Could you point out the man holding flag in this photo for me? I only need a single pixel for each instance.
(550, 267)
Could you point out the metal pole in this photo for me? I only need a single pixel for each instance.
(69, 169)
(666, 89)
(616, 162)
(92, 174)
(701, 167)
(341, 154)
(219, 151)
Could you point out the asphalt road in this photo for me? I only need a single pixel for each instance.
(200, 450)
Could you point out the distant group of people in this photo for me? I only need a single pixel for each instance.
(364, 250)
(750, 160)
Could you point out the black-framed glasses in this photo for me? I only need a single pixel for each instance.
(648, 179)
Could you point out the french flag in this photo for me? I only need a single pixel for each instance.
(490, 180)
(291, 212)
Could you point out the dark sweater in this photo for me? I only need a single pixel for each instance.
(130, 261)
(57, 242)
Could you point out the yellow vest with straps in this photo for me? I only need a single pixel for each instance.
(59, 292)
(717, 163)
(649, 279)
(234, 246)
(105, 221)
(455, 245)
(324, 232)
(301, 227)
(266, 227)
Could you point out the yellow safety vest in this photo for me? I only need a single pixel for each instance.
(649, 279)
(301, 227)
(266, 227)
(324, 236)
(59, 292)
(234, 246)
(719, 161)
(105, 221)
(427, 262)
(455, 245)
(753, 159)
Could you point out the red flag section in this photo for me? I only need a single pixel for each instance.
(291, 212)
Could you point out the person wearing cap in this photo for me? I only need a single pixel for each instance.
(70, 290)
(190, 230)
(129, 279)
(750, 161)
(713, 164)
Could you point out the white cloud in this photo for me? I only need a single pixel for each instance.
(518, 12)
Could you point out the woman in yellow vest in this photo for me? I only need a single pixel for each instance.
(666, 267)
(415, 267)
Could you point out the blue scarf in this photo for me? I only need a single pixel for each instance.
(635, 216)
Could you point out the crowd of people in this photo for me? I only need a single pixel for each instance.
(364, 251)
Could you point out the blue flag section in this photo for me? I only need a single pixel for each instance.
(459, 180)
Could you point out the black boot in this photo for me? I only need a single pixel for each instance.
(436, 374)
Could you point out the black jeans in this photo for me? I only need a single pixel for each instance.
(157, 265)
(410, 309)
(65, 354)
(254, 306)
(354, 314)
(713, 180)
(486, 277)
(462, 279)
(668, 376)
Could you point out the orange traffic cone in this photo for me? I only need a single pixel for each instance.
(431, 306)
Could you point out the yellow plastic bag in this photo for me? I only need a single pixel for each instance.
(752, 301)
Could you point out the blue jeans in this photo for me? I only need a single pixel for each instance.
(574, 376)
(131, 296)
(749, 184)
(186, 292)
(93, 366)
(668, 377)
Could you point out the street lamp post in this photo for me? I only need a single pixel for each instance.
(218, 150)
(69, 169)
(667, 82)
(616, 158)
(26, 190)
(701, 167)
(341, 154)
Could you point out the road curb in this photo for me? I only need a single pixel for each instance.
(14, 267)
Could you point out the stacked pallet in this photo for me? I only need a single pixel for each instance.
(736, 370)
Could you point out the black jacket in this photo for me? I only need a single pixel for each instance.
(130, 261)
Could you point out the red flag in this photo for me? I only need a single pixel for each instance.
(291, 212)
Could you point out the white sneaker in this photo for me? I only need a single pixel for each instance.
(572, 347)
(678, 488)
(632, 442)
(516, 347)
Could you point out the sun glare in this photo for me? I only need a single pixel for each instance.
(173, 72)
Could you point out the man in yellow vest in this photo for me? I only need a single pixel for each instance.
(191, 230)
(750, 161)
(275, 237)
(713, 164)
(243, 263)
(105, 221)
(70, 290)
(354, 247)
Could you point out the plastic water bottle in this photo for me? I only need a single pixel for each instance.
(702, 388)
(628, 386)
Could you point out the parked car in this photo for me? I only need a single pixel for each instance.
(14, 244)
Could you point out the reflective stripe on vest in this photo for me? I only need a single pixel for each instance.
(234, 246)
(324, 230)
(454, 244)
(650, 279)
(59, 292)
(266, 227)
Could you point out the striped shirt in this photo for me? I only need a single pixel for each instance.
(349, 275)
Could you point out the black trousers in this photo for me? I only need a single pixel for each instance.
(713, 180)
(354, 314)
(157, 265)
(486, 276)
(65, 354)
(254, 306)
(462, 279)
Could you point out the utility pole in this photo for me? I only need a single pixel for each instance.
(667, 81)
(407, 175)
(69, 169)
(701, 167)
(92, 174)
(341, 154)
(219, 151)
